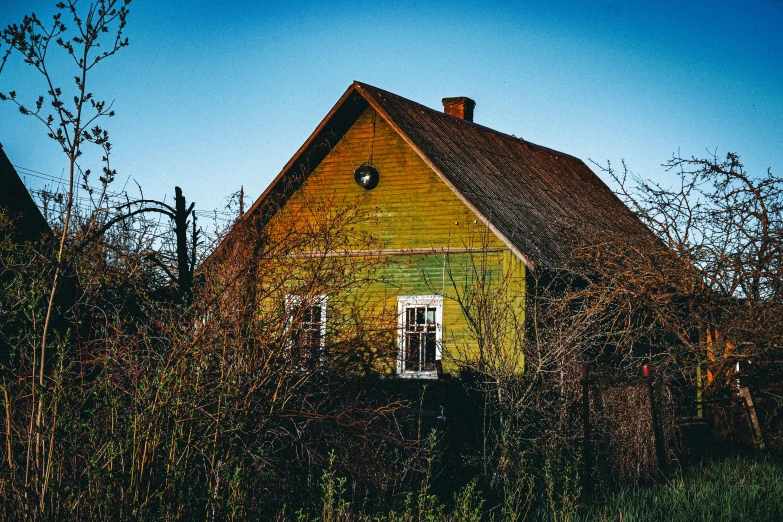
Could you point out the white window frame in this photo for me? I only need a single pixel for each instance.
(294, 301)
(409, 301)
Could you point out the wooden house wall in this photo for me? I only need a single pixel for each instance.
(410, 212)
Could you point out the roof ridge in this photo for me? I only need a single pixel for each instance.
(512, 137)
(440, 113)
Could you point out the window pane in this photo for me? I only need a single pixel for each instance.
(411, 361)
(429, 351)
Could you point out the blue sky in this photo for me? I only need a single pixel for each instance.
(215, 95)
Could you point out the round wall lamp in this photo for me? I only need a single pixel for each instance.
(366, 176)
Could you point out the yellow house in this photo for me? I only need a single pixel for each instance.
(447, 203)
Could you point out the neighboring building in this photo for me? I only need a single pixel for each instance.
(29, 223)
(439, 191)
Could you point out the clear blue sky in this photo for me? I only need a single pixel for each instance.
(214, 95)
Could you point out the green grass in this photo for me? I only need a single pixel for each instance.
(736, 488)
(733, 489)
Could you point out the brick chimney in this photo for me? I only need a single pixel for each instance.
(461, 107)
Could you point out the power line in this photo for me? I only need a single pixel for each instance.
(219, 215)
(60, 181)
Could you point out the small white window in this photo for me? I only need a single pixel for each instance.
(307, 324)
(419, 333)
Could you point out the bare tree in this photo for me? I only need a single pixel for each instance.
(722, 229)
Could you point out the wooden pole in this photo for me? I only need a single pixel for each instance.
(754, 420)
(184, 272)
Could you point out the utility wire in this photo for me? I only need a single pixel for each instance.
(61, 181)
(219, 215)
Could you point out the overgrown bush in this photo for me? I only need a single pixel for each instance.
(157, 409)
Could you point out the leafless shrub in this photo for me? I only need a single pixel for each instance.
(220, 410)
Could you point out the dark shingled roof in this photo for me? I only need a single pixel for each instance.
(29, 223)
(533, 197)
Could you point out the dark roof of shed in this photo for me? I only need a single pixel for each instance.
(29, 223)
(533, 197)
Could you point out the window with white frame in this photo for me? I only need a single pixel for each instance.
(307, 326)
(419, 332)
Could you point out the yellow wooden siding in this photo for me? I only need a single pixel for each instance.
(411, 208)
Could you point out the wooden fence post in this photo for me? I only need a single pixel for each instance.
(754, 420)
